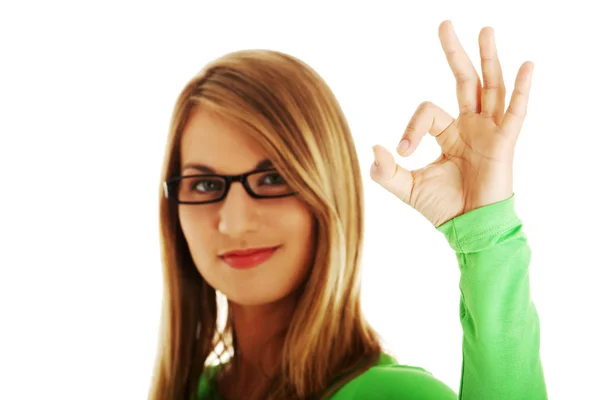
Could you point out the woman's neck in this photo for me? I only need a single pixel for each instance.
(259, 333)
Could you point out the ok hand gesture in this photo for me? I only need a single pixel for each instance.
(476, 165)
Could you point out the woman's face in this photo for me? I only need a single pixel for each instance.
(240, 221)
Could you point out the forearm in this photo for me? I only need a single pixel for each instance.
(501, 340)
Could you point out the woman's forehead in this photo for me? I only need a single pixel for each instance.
(214, 142)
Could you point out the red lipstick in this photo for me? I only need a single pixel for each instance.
(242, 259)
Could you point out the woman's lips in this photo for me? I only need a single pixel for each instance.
(248, 258)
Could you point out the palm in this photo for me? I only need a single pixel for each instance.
(444, 189)
(475, 165)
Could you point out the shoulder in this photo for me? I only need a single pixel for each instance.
(390, 380)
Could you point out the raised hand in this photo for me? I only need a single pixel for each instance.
(476, 165)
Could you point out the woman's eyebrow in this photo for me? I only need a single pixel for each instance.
(264, 164)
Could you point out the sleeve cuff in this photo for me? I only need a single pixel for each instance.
(481, 228)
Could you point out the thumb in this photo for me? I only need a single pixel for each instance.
(390, 175)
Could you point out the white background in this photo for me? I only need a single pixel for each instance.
(87, 90)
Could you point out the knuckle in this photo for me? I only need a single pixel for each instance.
(410, 130)
(491, 84)
(512, 110)
(463, 77)
(491, 58)
(424, 106)
(466, 108)
(520, 93)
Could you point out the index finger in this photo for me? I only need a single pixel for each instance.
(468, 84)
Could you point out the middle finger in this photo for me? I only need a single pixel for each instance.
(494, 91)
(468, 84)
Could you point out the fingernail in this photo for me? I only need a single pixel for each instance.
(403, 146)
(376, 163)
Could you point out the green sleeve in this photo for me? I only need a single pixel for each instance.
(501, 334)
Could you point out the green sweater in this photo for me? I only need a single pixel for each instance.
(501, 338)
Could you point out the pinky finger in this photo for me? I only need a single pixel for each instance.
(517, 108)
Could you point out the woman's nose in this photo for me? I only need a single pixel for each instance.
(238, 213)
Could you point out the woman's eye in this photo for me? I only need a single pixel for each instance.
(207, 185)
(274, 179)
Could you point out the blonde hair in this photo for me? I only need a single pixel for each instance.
(292, 113)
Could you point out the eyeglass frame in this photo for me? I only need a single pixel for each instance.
(229, 180)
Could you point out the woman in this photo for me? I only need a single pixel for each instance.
(263, 202)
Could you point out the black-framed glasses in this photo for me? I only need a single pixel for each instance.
(212, 188)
